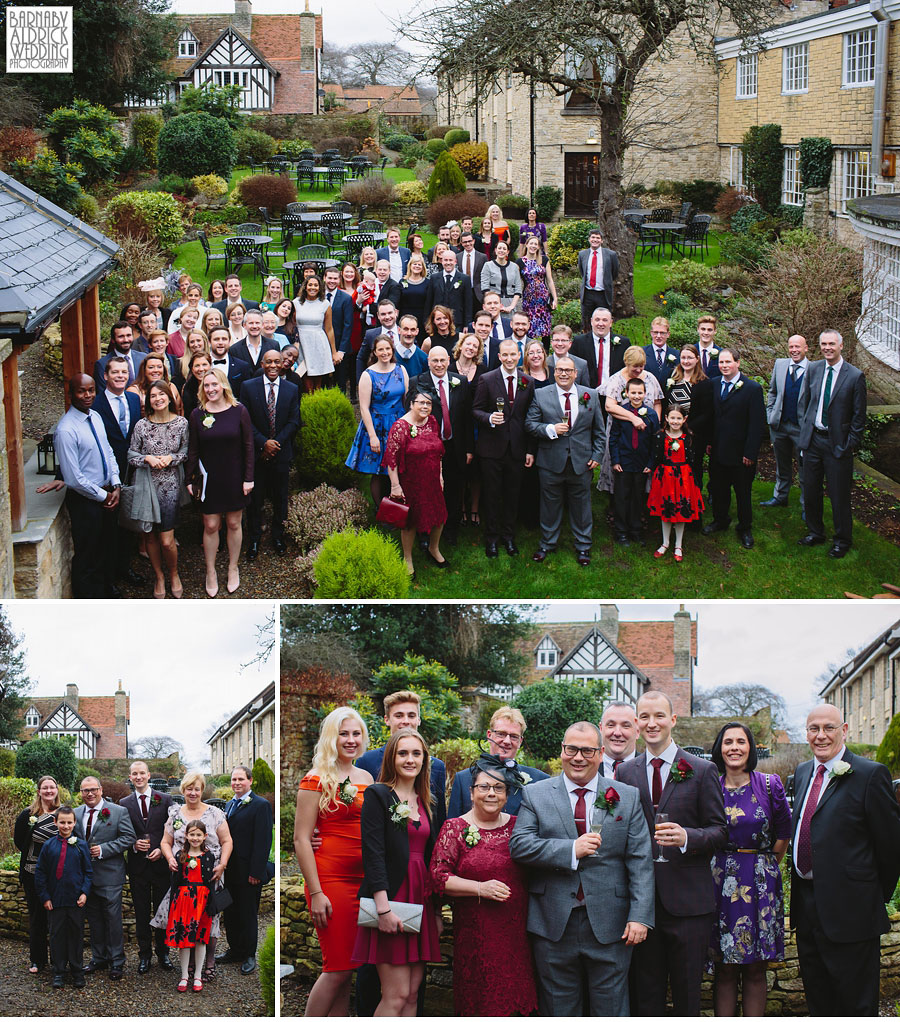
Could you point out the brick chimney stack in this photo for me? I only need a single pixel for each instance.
(121, 714)
(243, 17)
(609, 622)
(682, 640)
(72, 696)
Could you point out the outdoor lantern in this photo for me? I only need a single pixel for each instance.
(46, 456)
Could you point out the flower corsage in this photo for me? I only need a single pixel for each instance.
(245, 800)
(454, 382)
(413, 431)
(400, 813)
(616, 339)
(608, 800)
(347, 792)
(714, 352)
(670, 357)
(739, 384)
(523, 382)
(192, 863)
(524, 778)
(177, 824)
(72, 840)
(680, 771)
(670, 383)
(209, 421)
(585, 398)
(155, 800)
(32, 820)
(471, 835)
(840, 769)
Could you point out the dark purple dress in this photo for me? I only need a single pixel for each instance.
(225, 448)
(493, 973)
(750, 924)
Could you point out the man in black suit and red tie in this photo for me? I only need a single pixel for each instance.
(148, 873)
(602, 348)
(501, 401)
(451, 289)
(845, 865)
(689, 792)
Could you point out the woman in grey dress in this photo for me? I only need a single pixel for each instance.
(315, 332)
(160, 442)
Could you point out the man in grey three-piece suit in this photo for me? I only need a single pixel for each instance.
(108, 831)
(784, 425)
(590, 895)
(568, 422)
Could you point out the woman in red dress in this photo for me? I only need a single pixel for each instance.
(189, 923)
(493, 972)
(330, 799)
(674, 495)
(412, 458)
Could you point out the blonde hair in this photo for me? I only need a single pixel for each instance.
(634, 356)
(508, 713)
(188, 354)
(390, 701)
(192, 777)
(660, 321)
(457, 348)
(227, 392)
(325, 755)
(708, 318)
(418, 259)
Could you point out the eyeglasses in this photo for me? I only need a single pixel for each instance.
(483, 789)
(828, 729)
(89, 791)
(585, 750)
(505, 736)
(560, 371)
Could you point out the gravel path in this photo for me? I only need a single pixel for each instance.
(42, 394)
(135, 996)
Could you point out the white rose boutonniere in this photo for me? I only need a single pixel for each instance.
(714, 351)
(404, 284)
(642, 411)
(72, 840)
(670, 382)
(524, 778)
(670, 357)
(471, 835)
(739, 384)
(616, 339)
(454, 382)
(209, 421)
(192, 863)
(456, 284)
(400, 813)
(840, 769)
(245, 800)
(347, 792)
(32, 820)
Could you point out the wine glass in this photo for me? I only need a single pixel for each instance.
(661, 818)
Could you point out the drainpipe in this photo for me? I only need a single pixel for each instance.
(533, 153)
(882, 35)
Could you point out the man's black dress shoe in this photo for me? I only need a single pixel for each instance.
(746, 539)
(115, 973)
(540, 555)
(772, 502)
(227, 958)
(253, 551)
(280, 547)
(164, 962)
(490, 549)
(622, 539)
(78, 981)
(59, 981)
(810, 540)
(713, 527)
(838, 551)
(94, 967)
(143, 966)
(248, 966)
(511, 547)
(583, 558)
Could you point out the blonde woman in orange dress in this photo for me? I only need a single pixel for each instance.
(330, 799)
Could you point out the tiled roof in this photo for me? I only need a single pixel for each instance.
(97, 711)
(48, 258)
(391, 99)
(262, 699)
(276, 35)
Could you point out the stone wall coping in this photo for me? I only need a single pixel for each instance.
(42, 508)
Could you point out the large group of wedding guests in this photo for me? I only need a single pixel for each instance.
(474, 410)
(195, 874)
(604, 890)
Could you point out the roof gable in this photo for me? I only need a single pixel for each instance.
(64, 718)
(596, 654)
(235, 44)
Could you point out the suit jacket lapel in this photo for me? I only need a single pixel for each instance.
(800, 791)
(644, 788)
(564, 808)
(835, 782)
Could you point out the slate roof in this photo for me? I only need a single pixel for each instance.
(264, 698)
(48, 259)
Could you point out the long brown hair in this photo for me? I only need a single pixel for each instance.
(35, 806)
(697, 375)
(186, 852)
(388, 773)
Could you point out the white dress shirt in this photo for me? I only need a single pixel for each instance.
(598, 282)
(114, 404)
(396, 261)
(668, 758)
(606, 342)
(573, 409)
(836, 369)
(254, 349)
(829, 766)
(589, 799)
(609, 763)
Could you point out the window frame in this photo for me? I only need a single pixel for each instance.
(791, 182)
(188, 43)
(855, 40)
(851, 161)
(789, 70)
(744, 72)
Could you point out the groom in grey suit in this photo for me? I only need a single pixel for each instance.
(108, 831)
(784, 425)
(568, 422)
(590, 894)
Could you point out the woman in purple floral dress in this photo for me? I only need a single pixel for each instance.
(539, 293)
(493, 972)
(749, 931)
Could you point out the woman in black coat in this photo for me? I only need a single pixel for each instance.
(397, 842)
(33, 827)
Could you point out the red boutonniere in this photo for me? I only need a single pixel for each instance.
(680, 771)
(155, 800)
(585, 398)
(523, 382)
(104, 814)
(608, 800)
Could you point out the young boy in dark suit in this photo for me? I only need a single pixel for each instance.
(62, 879)
(629, 452)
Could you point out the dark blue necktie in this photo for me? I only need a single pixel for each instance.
(726, 389)
(100, 449)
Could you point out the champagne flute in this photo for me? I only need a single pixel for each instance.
(661, 818)
(501, 405)
(597, 825)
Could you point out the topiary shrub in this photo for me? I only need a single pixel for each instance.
(455, 207)
(472, 159)
(455, 136)
(396, 140)
(326, 434)
(47, 756)
(145, 129)
(196, 143)
(439, 130)
(253, 146)
(744, 218)
(411, 191)
(361, 565)
(263, 777)
(147, 214)
(549, 707)
(446, 178)
(434, 147)
(696, 280)
(266, 959)
(274, 191)
(547, 200)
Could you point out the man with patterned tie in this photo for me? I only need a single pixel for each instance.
(832, 414)
(89, 470)
(845, 864)
(598, 267)
(590, 904)
(784, 424)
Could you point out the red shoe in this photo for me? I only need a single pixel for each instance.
(678, 554)
(661, 552)
(198, 985)
(182, 986)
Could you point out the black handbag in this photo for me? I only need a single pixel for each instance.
(218, 900)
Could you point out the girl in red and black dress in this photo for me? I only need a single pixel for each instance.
(189, 923)
(674, 495)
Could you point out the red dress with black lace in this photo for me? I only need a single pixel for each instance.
(418, 463)
(493, 972)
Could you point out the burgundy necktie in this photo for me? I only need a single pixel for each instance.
(656, 792)
(804, 839)
(90, 825)
(144, 813)
(634, 436)
(581, 825)
(62, 860)
(445, 411)
(568, 410)
(616, 763)
(509, 391)
(600, 362)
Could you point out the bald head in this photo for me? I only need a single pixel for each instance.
(82, 391)
(826, 732)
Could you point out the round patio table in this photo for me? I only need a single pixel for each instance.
(666, 228)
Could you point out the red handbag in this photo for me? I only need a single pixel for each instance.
(392, 512)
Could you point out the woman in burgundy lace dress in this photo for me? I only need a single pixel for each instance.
(493, 973)
(412, 457)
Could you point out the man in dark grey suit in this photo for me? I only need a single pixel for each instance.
(782, 413)
(598, 267)
(470, 263)
(832, 414)
(108, 831)
(568, 423)
(591, 886)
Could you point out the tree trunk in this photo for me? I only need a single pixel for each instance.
(615, 234)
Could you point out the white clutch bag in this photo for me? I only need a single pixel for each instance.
(409, 915)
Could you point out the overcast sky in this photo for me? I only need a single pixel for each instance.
(179, 661)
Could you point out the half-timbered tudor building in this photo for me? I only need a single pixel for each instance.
(99, 724)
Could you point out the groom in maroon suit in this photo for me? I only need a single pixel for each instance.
(688, 791)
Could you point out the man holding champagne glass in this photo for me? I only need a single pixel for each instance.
(683, 806)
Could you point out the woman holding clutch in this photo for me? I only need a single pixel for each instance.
(397, 841)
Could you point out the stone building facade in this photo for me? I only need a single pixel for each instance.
(247, 736)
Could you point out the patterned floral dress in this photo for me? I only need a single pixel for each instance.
(674, 496)
(750, 923)
(189, 923)
(536, 297)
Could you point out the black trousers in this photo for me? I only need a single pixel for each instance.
(591, 300)
(67, 939)
(269, 480)
(821, 466)
(149, 882)
(241, 918)
(838, 979)
(629, 501)
(95, 543)
(673, 953)
(454, 482)
(501, 481)
(37, 920)
(722, 480)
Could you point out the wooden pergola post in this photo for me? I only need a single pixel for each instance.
(12, 415)
(72, 334)
(89, 304)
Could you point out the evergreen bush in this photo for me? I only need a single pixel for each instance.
(149, 215)
(434, 147)
(549, 707)
(396, 140)
(749, 251)
(547, 200)
(196, 143)
(274, 191)
(263, 777)
(568, 313)
(457, 754)
(145, 129)
(292, 147)
(18, 792)
(683, 327)
(446, 178)
(7, 763)
(47, 756)
(86, 208)
(220, 101)
(889, 749)
(254, 146)
(513, 204)
(361, 565)
(326, 434)
(763, 162)
(472, 158)
(565, 240)
(266, 959)
(696, 280)
(455, 136)
(816, 156)
(703, 194)
(64, 122)
(209, 187)
(58, 182)
(749, 214)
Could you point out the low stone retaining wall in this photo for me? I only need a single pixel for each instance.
(300, 948)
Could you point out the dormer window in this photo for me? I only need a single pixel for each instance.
(546, 658)
(32, 718)
(187, 44)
